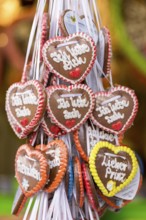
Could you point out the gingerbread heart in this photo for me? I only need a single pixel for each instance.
(51, 129)
(70, 58)
(31, 169)
(69, 21)
(115, 110)
(25, 106)
(79, 187)
(44, 30)
(104, 51)
(69, 180)
(112, 167)
(107, 51)
(69, 107)
(87, 137)
(90, 187)
(19, 202)
(57, 158)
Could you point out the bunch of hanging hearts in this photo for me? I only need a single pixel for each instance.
(74, 151)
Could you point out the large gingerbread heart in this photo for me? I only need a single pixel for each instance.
(69, 107)
(25, 105)
(115, 110)
(70, 58)
(69, 21)
(31, 169)
(112, 167)
(57, 158)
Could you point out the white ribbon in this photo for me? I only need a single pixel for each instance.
(28, 208)
(37, 22)
(59, 207)
(34, 212)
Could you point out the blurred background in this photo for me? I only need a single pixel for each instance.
(127, 23)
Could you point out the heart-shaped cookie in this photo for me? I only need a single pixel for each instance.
(69, 179)
(115, 110)
(90, 187)
(57, 159)
(31, 169)
(69, 107)
(79, 187)
(25, 106)
(113, 203)
(88, 136)
(107, 51)
(69, 21)
(19, 202)
(70, 58)
(44, 30)
(51, 129)
(112, 167)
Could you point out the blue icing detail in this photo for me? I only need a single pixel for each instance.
(71, 179)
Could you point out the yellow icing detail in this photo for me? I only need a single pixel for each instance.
(116, 150)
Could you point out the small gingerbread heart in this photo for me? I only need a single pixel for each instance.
(19, 202)
(112, 167)
(88, 136)
(25, 106)
(70, 58)
(69, 21)
(104, 51)
(69, 179)
(44, 31)
(69, 107)
(115, 110)
(57, 159)
(79, 187)
(31, 170)
(80, 145)
(90, 188)
(107, 51)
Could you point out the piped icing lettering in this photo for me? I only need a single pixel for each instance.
(27, 170)
(72, 59)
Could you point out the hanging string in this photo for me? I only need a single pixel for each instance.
(99, 17)
(96, 14)
(76, 6)
(34, 212)
(111, 79)
(28, 208)
(40, 6)
(45, 206)
(86, 17)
